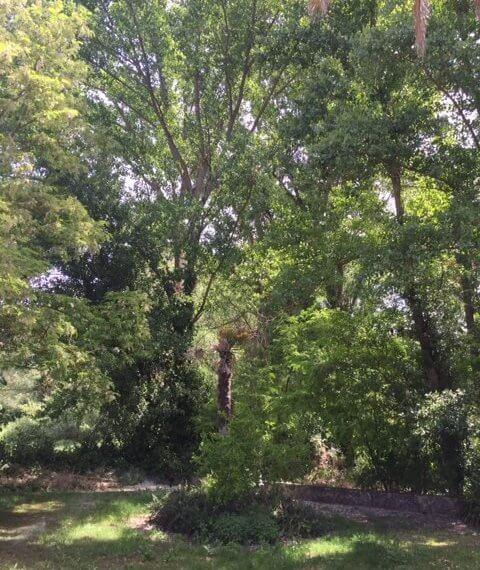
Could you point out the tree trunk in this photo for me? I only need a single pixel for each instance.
(469, 308)
(225, 372)
(396, 178)
(437, 375)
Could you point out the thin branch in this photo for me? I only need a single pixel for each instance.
(456, 105)
(222, 260)
(273, 92)
(174, 150)
(247, 66)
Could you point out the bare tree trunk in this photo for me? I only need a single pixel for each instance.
(225, 373)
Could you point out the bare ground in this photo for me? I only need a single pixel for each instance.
(391, 519)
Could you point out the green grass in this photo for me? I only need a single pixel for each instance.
(95, 530)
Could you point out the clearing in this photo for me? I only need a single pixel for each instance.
(83, 530)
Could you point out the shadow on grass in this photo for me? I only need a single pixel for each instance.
(130, 549)
(89, 530)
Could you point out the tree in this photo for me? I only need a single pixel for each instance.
(366, 224)
(40, 117)
(185, 89)
(421, 15)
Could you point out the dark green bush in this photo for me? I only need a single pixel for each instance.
(260, 517)
(186, 511)
(255, 527)
(26, 441)
(299, 520)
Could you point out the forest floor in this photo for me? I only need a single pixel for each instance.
(88, 530)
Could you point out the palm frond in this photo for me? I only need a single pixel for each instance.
(318, 7)
(421, 14)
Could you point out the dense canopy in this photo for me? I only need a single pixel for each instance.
(237, 239)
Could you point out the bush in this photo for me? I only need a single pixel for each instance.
(27, 441)
(260, 517)
(256, 449)
(443, 428)
(186, 511)
(250, 528)
(30, 441)
(300, 520)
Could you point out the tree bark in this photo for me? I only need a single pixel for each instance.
(225, 373)
(435, 374)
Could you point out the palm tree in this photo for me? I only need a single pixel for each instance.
(319, 7)
(421, 14)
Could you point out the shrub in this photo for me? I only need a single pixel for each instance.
(258, 448)
(260, 517)
(27, 441)
(186, 511)
(299, 520)
(31, 441)
(443, 428)
(250, 528)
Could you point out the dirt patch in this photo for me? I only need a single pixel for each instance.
(391, 519)
(45, 480)
(34, 480)
(141, 523)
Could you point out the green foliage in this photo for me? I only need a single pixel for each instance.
(359, 380)
(40, 108)
(171, 171)
(266, 441)
(258, 517)
(252, 528)
(443, 418)
(300, 520)
(186, 511)
(27, 440)
(40, 119)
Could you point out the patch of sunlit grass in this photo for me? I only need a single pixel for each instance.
(434, 543)
(39, 507)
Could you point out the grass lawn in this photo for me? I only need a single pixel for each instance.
(100, 530)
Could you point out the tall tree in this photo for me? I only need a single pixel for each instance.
(185, 88)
